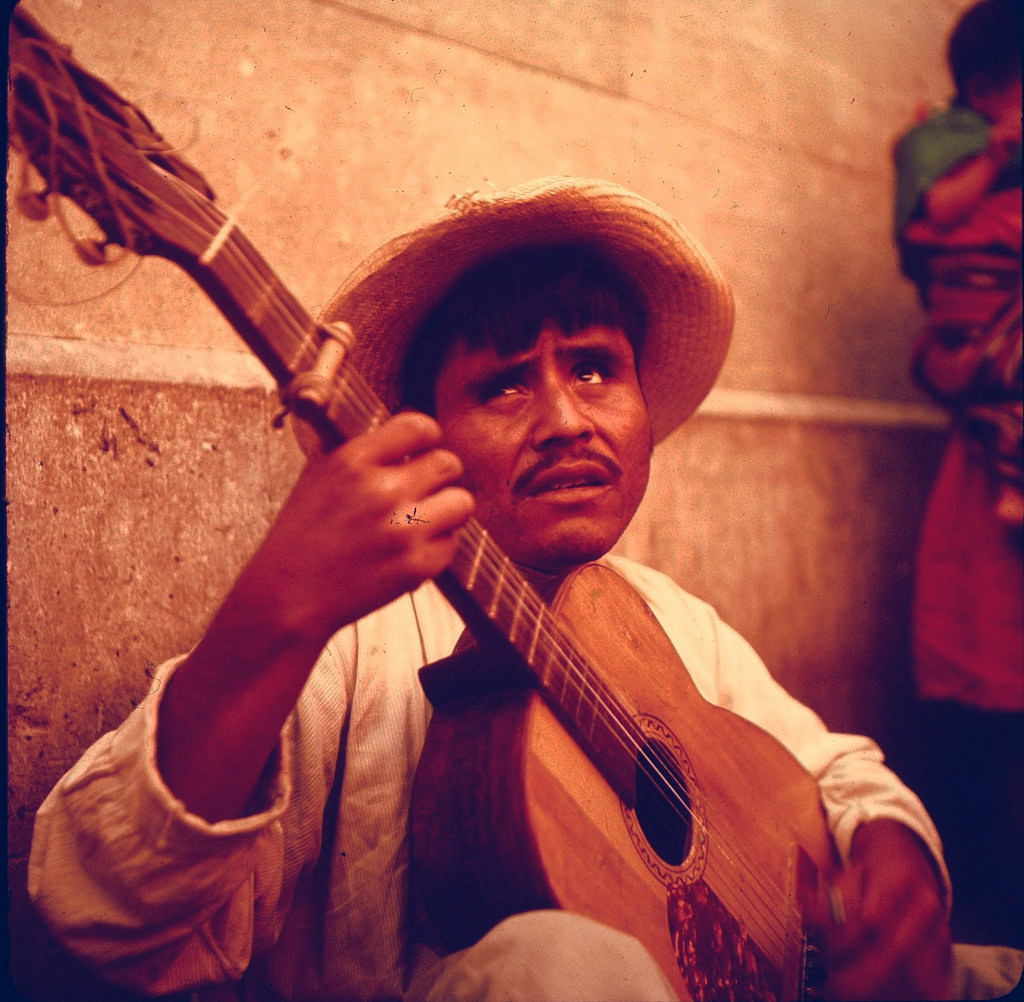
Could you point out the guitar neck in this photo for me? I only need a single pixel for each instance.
(272, 322)
(498, 604)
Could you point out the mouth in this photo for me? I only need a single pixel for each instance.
(571, 479)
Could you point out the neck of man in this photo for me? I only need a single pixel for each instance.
(545, 583)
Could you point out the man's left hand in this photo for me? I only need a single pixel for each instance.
(883, 927)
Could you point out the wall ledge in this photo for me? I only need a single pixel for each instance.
(33, 354)
(805, 408)
(109, 360)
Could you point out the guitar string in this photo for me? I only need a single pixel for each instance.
(85, 117)
(362, 401)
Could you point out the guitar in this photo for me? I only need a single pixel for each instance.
(581, 768)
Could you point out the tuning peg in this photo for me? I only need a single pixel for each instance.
(92, 252)
(33, 205)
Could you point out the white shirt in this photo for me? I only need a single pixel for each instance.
(311, 889)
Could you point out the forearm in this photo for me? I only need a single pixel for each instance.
(222, 713)
(883, 836)
(886, 935)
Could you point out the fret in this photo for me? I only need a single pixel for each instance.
(496, 597)
(531, 653)
(570, 688)
(542, 665)
(470, 581)
(516, 613)
(218, 241)
(256, 308)
(307, 349)
(586, 702)
(352, 408)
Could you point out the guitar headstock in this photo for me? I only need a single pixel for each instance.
(96, 148)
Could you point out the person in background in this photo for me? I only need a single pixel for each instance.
(958, 230)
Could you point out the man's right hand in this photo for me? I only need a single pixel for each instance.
(364, 523)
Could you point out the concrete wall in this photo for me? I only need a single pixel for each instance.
(141, 467)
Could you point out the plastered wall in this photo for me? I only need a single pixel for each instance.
(141, 463)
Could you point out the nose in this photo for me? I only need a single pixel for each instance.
(559, 416)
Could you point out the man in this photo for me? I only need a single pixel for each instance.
(250, 819)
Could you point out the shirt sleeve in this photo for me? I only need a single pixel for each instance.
(155, 897)
(854, 783)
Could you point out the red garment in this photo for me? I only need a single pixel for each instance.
(969, 610)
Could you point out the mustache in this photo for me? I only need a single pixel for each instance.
(550, 461)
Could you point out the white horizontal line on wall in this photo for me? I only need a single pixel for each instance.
(50, 356)
(827, 410)
(148, 363)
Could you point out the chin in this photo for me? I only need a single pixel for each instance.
(564, 554)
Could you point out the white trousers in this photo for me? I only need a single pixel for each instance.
(545, 956)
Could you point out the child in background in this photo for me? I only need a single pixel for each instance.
(958, 229)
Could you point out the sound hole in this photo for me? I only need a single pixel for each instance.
(662, 803)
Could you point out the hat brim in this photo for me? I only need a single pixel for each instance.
(688, 305)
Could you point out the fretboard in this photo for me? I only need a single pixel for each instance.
(288, 340)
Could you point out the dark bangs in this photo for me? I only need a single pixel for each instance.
(504, 303)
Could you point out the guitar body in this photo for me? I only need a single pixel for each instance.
(509, 814)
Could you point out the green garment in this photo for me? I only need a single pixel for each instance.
(930, 149)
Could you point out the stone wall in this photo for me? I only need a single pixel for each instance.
(142, 467)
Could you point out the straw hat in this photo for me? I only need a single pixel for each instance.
(688, 304)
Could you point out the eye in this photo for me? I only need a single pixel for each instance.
(591, 372)
(501, 386)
